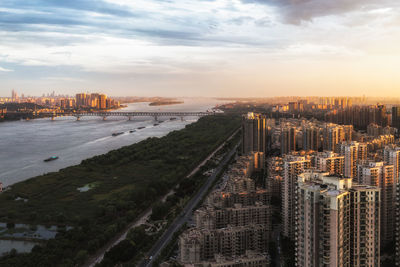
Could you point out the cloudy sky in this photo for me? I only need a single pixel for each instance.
(244, 48)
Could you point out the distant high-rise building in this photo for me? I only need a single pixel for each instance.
(80, 100)
(337, 222)
(292, 167)
(311, 137)
(254, 133)
(288, 139)
(360, 116)
(94, 100)
(102, 102)
(353, 153)
(396, 117)
(332, 135)
(14, 95)
(293, 107)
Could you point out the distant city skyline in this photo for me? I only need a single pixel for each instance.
(220, 48)
(54, 93)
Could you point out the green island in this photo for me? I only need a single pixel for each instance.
(165, 102)
(100, 197)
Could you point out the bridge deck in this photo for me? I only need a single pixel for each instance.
(121, 113)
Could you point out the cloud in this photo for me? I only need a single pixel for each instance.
(295, 12)
(60, 43)
(50, 6)
(5, 70)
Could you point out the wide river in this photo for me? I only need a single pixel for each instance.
(25, 144)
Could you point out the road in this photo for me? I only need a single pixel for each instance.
(211, 155)
(186, 214)
(98, 257)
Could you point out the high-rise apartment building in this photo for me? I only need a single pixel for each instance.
(311, 137)
(288, 139)
(330, 162)
(250, 259)
(275, 176)
(391, 156)
(94, 99)
(254, 133)
(80, 100)
(14, 95)
(102, 102)
(396, 117)
(337, 222)
(198, 245)
(397, 231)
(353, 153)
(332, 135)
(210, 217)
(233, 226)
(365, 226)
(292, 167)
(382, 176)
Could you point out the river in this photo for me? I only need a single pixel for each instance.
(25, 144)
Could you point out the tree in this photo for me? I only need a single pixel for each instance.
(138, 235)
(121, 252)
(81, 256)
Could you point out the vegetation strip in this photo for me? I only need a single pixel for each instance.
(129, 180)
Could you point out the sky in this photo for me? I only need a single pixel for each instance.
(219, 48)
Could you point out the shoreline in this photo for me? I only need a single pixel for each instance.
(97, 142)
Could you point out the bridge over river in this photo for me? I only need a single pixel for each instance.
(129, 115)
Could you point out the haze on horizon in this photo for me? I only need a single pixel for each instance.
(223, 48)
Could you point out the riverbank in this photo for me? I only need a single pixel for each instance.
(128, 180)
(28, 143)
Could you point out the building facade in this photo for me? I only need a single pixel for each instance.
(292, 167)
(337, 222)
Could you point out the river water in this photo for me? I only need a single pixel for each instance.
(25, 144)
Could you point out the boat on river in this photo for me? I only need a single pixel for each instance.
(50, 159)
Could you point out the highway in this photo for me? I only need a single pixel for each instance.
(186, 214)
